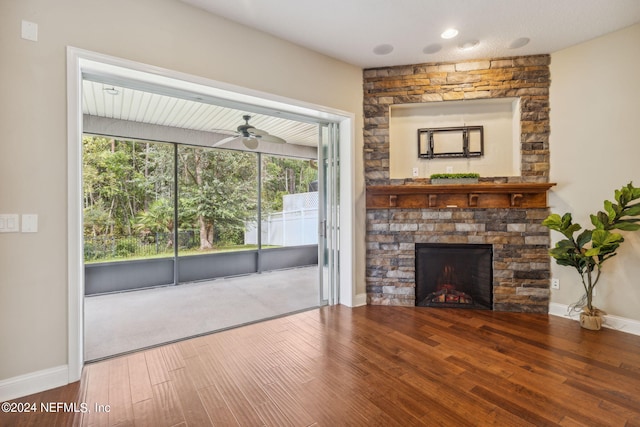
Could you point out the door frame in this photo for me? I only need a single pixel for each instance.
(80, 61)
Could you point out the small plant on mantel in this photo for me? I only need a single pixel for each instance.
(454, 178)
(592, 247)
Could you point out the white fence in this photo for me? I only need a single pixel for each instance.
(296, 225)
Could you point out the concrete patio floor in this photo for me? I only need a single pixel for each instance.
(128, 321)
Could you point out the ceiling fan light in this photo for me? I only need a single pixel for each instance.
(250, 143)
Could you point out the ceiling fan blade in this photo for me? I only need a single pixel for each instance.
(272, 138)
(259, 132)
(225, 141)
(223, 131)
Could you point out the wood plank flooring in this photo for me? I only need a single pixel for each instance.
(367, 366)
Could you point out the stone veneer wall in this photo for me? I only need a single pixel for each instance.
(521, 263)
(524, 77)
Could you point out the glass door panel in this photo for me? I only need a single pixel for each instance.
(329, 226)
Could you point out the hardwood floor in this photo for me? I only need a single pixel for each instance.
(373, 365)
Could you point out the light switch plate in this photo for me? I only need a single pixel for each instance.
(9, 223)
(29, 223)
(30, 31)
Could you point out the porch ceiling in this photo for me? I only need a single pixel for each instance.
(123, 103)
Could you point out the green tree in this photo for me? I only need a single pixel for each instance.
(284, 175)
(120, 179)
(157, 219)
(219, 190)
(129, 189)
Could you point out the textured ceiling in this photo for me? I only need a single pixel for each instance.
(350, 30)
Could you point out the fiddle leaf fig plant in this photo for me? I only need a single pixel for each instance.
(589, 250)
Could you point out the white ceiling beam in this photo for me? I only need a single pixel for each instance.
(150, 132)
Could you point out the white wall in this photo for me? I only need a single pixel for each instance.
(33, 150)
(499, 117)
(595, 149)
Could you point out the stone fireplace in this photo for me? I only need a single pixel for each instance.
(521, 268)
(503, 212)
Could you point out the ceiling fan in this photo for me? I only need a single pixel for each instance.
(250, 136)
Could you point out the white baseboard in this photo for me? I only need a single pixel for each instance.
(623, 324)
(561, 310)
(34, 382)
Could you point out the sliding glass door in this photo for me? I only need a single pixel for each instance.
(329, 224)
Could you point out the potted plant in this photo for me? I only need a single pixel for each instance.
(592, 247)
(454, 178)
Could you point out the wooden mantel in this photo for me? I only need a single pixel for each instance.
(481, 195)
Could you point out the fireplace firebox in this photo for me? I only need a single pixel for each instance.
(454, 275)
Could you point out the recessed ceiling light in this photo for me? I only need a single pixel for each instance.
(383, 49)
(468, 45)
(449, 33)
(432, 48)
(518, 43)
